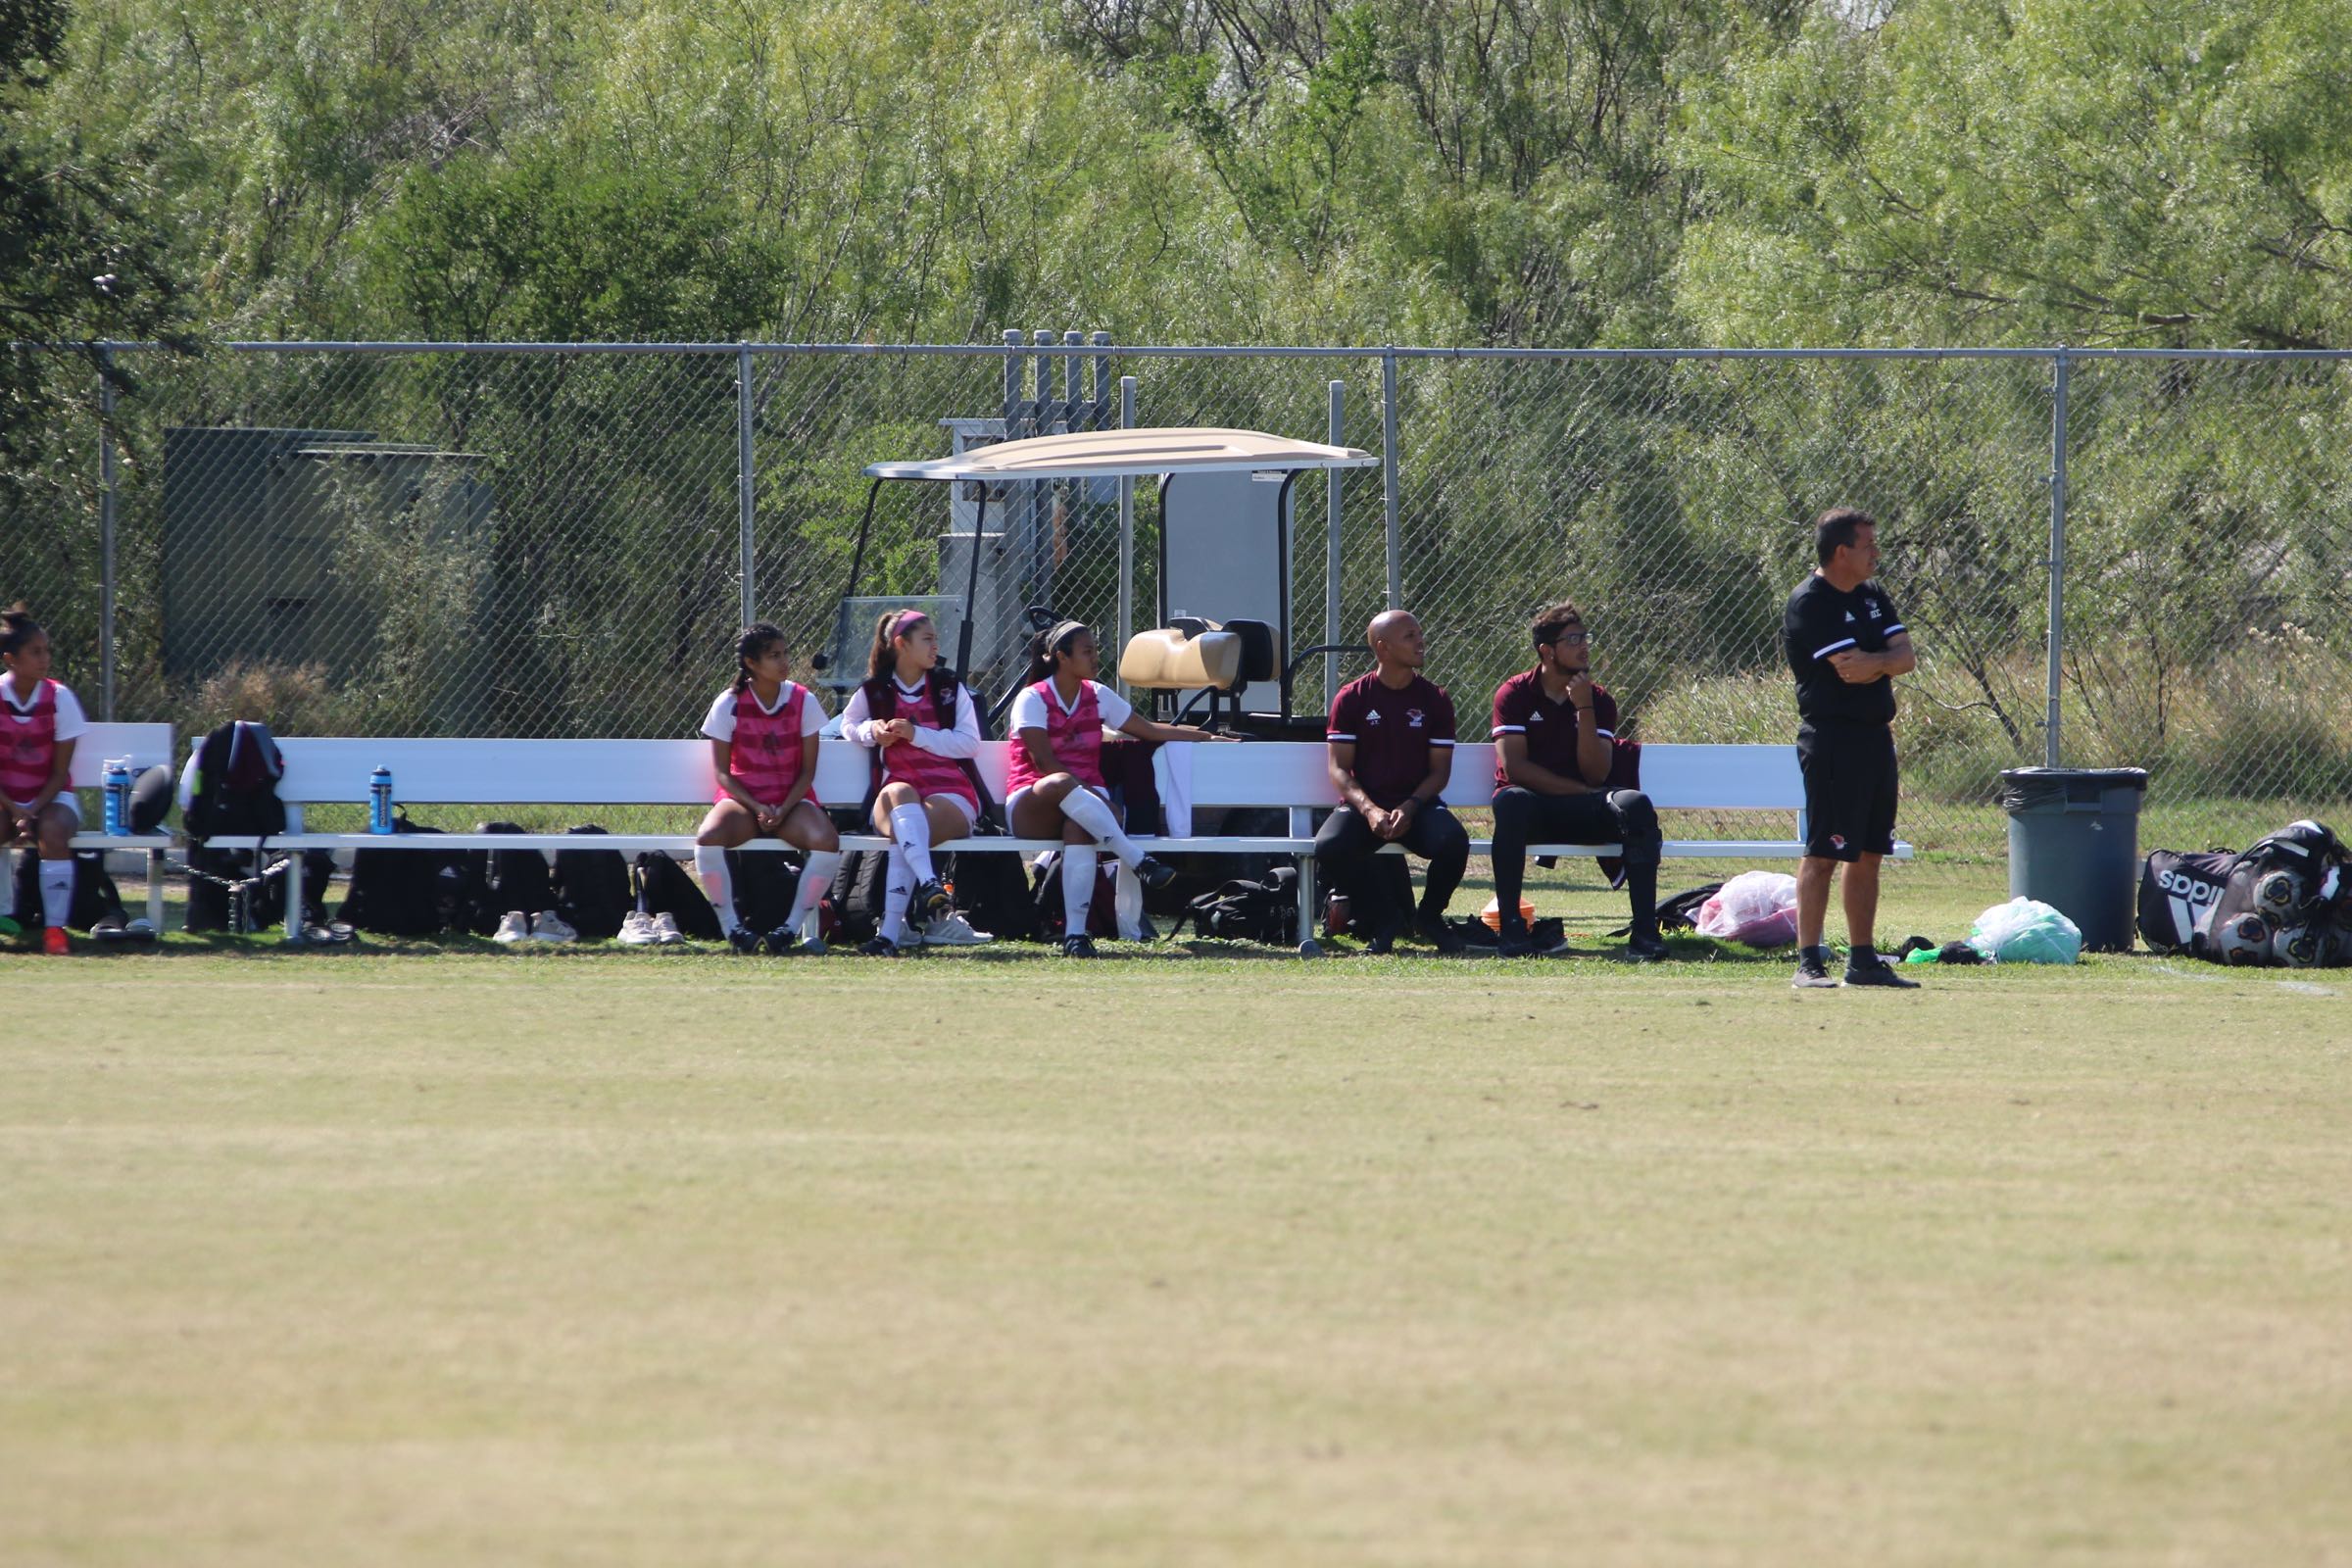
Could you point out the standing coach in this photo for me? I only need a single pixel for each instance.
(1845, 645)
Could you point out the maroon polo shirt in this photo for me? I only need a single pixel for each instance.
(1522, 709)
(1393, 731)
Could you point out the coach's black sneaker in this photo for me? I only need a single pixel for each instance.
(1080, 945)
(1813, 970)
(930, 901)
(1381, 943)
(744, 940)
(1866, 968)
(1432, 929)
(878, 948)
(1650, 948)
(1153, 874)
(1514, 940)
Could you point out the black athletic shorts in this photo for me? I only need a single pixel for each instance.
(1849, 788)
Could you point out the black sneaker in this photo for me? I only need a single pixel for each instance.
(1432, 929)
(1514, 940)
(1645, 950)
(878, 948)
(1875, 971)
(930, 903)
(781, 943)
(1812, 974)
(744, 940)
(1380, 943)
(1153, 874)
(1080, 945)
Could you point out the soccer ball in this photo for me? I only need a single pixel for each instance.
(2298, 946)
(2243, 939)
(2277, 892)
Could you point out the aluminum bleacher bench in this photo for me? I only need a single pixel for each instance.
(1288, 775)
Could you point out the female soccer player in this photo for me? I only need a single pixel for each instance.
(39, 721)
(762, 734)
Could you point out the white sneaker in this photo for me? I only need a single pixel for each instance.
(549, 926)
(512, 926)
(665, 930)
(637, 930)
(954, 931)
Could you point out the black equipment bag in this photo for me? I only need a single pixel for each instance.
(214, 907)
(414, 892)
(1249, 911)
(992, 892)
(2292, 884)
(763, 884)
(511, 879)
(664, 887)
(591, 890)
(857, 895)
(235, 795)
(2176, 889)
(1045, 899)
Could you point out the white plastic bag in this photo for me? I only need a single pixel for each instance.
(1757, 907)
(2026, 931)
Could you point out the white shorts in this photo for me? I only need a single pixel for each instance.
(961, 805)
(1012, 802)
(64, 798)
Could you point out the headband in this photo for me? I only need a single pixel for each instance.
(1062, 629)
(906, 621)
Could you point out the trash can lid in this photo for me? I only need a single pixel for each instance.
(2109, 777)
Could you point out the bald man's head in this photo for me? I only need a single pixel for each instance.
(1397, 641)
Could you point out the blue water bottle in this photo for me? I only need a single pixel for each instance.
(379, 800)
(118, 797)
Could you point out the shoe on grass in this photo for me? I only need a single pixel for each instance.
(1514, 940)
(549, 926)
(1875, 971)
(1153, 874)
(878, 948)
(8, 924)
(512, 926)
(637, 930)
(1812, 974)
(667, 932)
(746, 941)
(1080, 945)
(953, 930)
(930, 901)
(55, 942)
(1432, 929)
(1649, 949)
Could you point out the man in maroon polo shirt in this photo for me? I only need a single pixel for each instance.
(1555, 729)
(1391, 752)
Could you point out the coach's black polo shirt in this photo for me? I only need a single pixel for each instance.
(1821, 622)
(1394, 732)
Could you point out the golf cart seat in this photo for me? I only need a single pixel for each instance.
(1169, 660)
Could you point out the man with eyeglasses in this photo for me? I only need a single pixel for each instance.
(1555, 733)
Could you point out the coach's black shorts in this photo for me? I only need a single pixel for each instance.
(1849, 789)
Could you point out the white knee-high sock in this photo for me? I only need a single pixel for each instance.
(1093, 812)
(57, 891)
(711, 864)
(816, 878)
(1130, 905)
(1078, 862)
(898, 886)
(911, 829)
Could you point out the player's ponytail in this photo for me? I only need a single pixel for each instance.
(753, 640)
(1047, 647)
(889, 627)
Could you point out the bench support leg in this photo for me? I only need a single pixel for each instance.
(294, 898)
(1308, 946)
(155, 890)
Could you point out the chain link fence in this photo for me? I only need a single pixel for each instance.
(563, 539)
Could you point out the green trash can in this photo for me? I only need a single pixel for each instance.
(2074, 844)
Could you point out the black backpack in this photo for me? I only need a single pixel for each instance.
(414, 892)
(1249, 911)
(857, 895)
(95, 896)
(2176, 889)
(214, 907)
(236, 794)
(664, 887)
(1045, 899)
(592, 891)
(992, 892)
(511, 879)
(762, 884)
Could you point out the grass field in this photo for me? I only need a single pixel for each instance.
(646, 1257)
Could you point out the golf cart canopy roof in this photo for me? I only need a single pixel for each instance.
(1118, 454)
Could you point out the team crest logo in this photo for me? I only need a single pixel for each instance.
(1874, 612)
(1837, 839)
(1412, 718)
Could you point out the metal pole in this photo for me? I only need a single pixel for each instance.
(1012, 384)
(2057, 561)
(1390, 482)
(106, 528)
(1331, 544)
(1126, 534)
(745, 478)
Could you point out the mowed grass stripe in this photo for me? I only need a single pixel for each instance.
(412, 1258)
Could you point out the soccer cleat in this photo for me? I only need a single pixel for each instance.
(1153, 874)
(1432, 929)
(667, 932)
(54, 942)
(953, 930)
(1645, 950)
(8, 922)
(512, 926)
(1080, 945)
(637, 930)
(1813, 975)
(746, 941)
(549, 926)
(1875, 971)
(1514, 940)
(878, 948)
(930, 901)
(813, 947)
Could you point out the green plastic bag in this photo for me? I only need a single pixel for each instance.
(2026, 931)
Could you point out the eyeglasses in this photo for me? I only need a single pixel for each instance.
(1572, 639)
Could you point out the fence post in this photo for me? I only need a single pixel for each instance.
(2057, 561)
(746, 481)
(1390, 481)
(1330, 543)
(1126, 535)
(106, 530)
